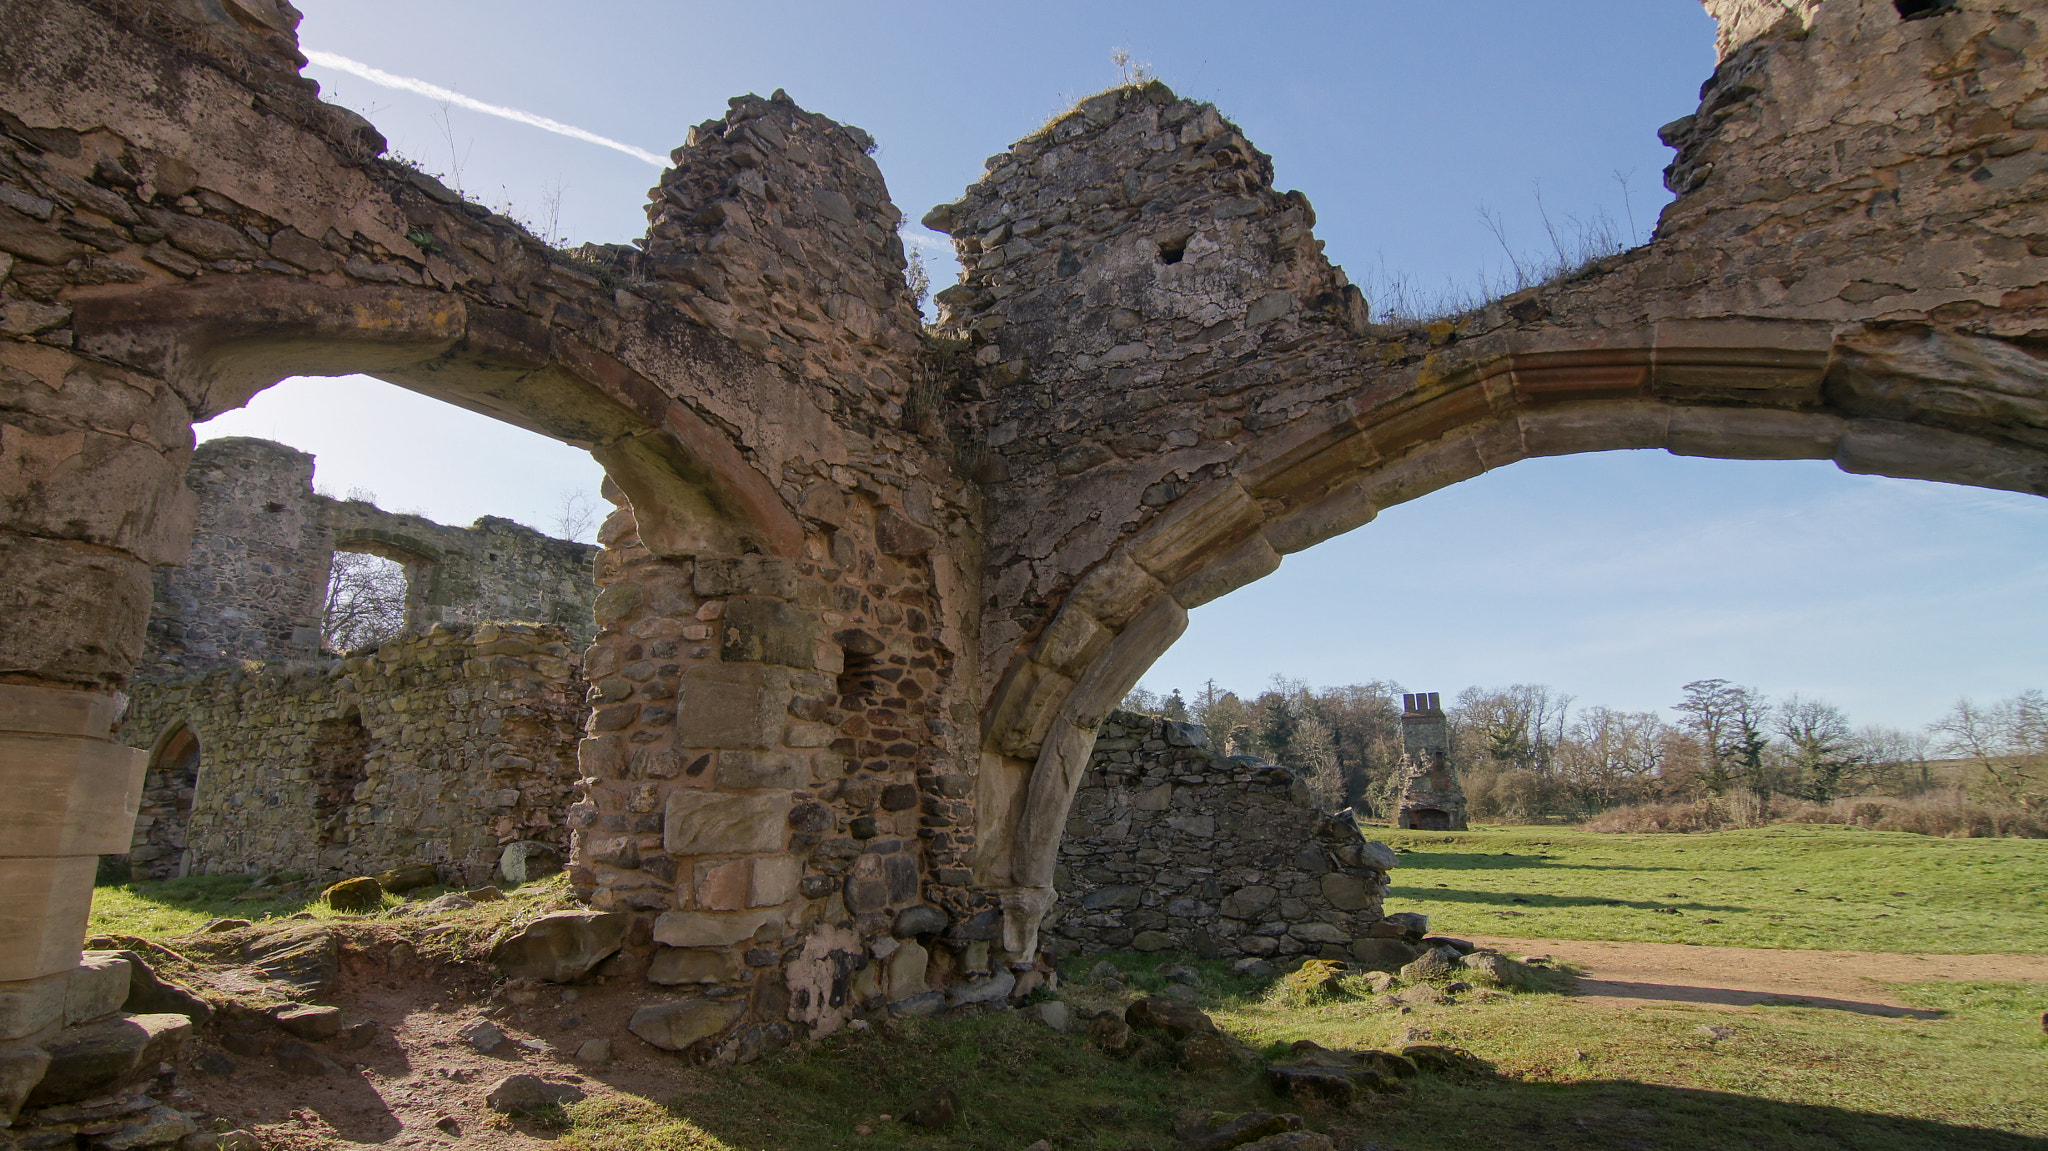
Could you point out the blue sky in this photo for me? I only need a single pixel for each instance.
(1616, 577)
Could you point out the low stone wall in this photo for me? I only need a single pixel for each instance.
(439, 748)
(1172, 847)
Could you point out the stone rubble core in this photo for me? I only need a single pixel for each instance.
(1173, 847)
(1431, 799)
(869, 592)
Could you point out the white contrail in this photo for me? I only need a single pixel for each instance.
(436, 92)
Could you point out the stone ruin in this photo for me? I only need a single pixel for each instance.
(1431, 799)
(263, 543)
(441, 746)
(1171, 846)
(869, 591)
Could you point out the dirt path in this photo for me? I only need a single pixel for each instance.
(1642, 974)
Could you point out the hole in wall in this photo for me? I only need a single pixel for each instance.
(365, 602)
(1921, 9)
(1172, 251)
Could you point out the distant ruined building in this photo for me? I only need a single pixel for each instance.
(440, 745)
(1431, 799)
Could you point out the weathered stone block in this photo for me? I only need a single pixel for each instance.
(44, 904)
(98, 986)
(1347, 892)
(775, 880)
(69, 795)
(732, 706)
(717, 823)
(21, 1068)
(762, 629)
(906, 971)
(675, 1026)
(740, 768)
(677, 965)
(698, 929)
(30, 1005)
(86, 1060)
(745, 575)
(562, 946)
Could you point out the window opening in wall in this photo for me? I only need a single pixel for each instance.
(365, 601)
(341, 749)
(1921, 9)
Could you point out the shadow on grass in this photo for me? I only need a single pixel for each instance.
(1735, 997)
(1018, 1083)
(1538, 899)
(1506, 1113)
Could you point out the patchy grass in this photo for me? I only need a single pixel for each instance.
(1795, 886)
(170, 908)
(1563, 1076)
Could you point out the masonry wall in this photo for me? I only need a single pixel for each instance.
(255, 581)
(1172, 847)
(439, 748)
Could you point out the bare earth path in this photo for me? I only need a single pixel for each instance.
(1640, 974)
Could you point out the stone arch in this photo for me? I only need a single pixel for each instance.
(1691, 389)
(169, 792)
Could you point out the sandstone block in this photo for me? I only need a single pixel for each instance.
(21, 1068)
(84, 1061)
(561, 947)
(762, 629)
(68, 795)
(699, 929)
(715, 823)
(44, 904)
(675, 1026)
(775, 880)
(98, 986)
(307, 1021)
(745, 575)
(758, 769)
(91, 608)
(732, 706)
(677, 965)
(29, 1005)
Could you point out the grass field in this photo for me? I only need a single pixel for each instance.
(1562, 1076)
(1794, 885)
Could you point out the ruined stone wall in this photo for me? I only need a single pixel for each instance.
(255, 580)
(438, 748)
(1172, 847)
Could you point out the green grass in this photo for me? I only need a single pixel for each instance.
(1562, 1075)
(1795, 885)
(171, 908)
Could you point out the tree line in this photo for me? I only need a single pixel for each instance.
(1526, 751)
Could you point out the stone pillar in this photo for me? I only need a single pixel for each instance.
(71, 797)
(92, 460)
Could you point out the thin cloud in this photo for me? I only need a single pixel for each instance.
(435, 92)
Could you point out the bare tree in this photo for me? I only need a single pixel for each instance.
(365, 601)
(575, 516)
(2006, 742)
